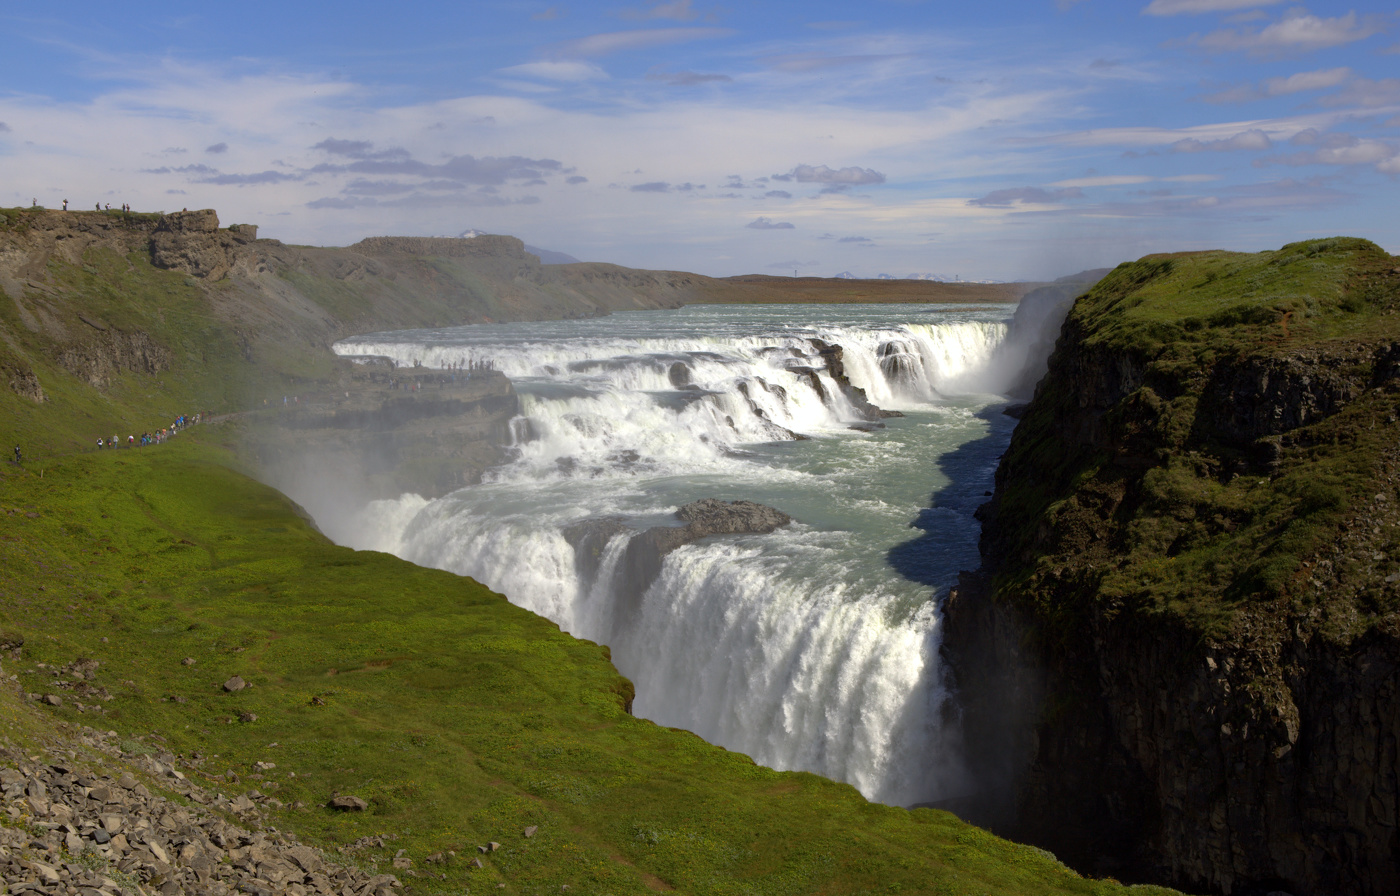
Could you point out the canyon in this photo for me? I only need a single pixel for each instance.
(1179, 661)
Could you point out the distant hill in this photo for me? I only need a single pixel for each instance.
(549, 256)
(546, 256)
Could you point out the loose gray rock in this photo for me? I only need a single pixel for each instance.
(348, 804)
(77, 806)
(235, 684)
(530, 831)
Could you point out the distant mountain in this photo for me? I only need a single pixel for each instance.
(549, 256)
(935, 278)
(845, 275)
(546, 256)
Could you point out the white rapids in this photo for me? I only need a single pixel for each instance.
(814, 647)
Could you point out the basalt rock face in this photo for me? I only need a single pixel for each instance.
(192, 242)
(111, 352)
(834, 356)
(1181, 660)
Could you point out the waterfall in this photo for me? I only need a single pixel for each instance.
(801, 648)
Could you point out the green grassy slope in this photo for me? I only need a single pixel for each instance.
(1247, 420)
(203, 363)
(459, 717)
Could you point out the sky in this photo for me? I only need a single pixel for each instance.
(993, 140)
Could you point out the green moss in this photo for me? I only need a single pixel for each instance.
(1146, 503)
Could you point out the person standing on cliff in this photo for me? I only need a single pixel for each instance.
(65, 205)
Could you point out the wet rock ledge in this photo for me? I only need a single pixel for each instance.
(645, 553)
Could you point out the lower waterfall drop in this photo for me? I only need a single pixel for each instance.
(804, 648)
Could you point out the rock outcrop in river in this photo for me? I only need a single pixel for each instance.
(1181, 660)
(641, 561)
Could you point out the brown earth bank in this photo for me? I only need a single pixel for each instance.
(1180, 661)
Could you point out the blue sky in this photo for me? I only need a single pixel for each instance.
(997, 140)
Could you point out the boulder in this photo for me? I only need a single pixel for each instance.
(348, 804)
(703, 519)
(235, 684)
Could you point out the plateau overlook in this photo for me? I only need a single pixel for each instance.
(715, 479)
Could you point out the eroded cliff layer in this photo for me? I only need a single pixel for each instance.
(1181, 660)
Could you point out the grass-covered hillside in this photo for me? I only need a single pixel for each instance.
(1237, 412)
(460, 718)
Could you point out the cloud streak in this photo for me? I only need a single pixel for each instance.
(821, 174)
(1297, 32)
(607, 44)
(1197, 7)
(1026, 196)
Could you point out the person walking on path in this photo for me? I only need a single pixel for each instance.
(19, 458)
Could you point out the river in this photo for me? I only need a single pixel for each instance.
(814, 647)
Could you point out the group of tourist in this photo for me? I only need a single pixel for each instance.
(125, 206)
(148, 438)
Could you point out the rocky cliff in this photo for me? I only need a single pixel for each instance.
(1181, 659)
(127, 319)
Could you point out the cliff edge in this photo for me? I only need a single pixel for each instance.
(1180, 661)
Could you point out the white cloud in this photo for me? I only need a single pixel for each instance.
(677, 10)
(1316, 80)
(1275, 129)
(1111, 180)
(821, 174)
(1254, 139)
(1321, 79)
(640, 39)
(1367, 93)
(1297, 32)
(1026, 196)
(1347, 151)
(571, 71)
(1195, 7)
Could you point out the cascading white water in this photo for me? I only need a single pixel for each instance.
(814, 647)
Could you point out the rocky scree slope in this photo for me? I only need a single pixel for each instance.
(1181, 659)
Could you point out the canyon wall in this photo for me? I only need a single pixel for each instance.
(1181, 659)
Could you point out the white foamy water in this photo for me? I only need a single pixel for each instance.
(814, 647)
